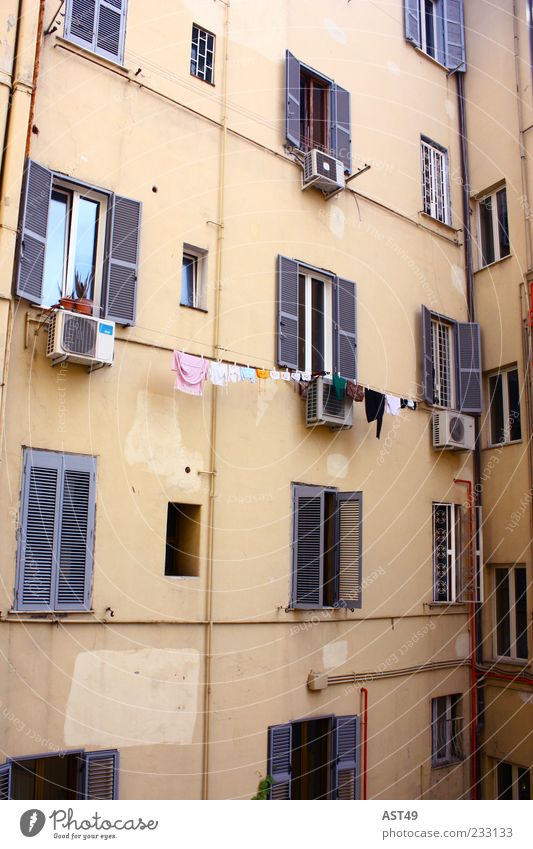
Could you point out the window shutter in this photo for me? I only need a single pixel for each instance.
(469, 367)
(345, 328)
(122, 260)
(35, 206)
(341, 129)
(412, 21)
(76, 535)
(454, 35)
(111, 29)
(287, 312)
(38, 530)
(5, 781)
(427, 358)
(346, 761)
(307, 547)
(279, 760)
(80, 22)
(101, 775)
(292, 95)
(349, 551)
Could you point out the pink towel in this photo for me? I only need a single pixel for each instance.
(191, 373)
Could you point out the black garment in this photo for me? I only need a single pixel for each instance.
(405, 402)
(374, 407)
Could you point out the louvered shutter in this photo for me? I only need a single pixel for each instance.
(308, 547)
(80, 22)
(341, 128)
(111, 29)
(469, 367)
(454, 34)
(122, 260)
(288, 330)
(5, 781)
(34, 225)
(347, 756)
(292, 99)
(412, 21)
(279, 760)
(76, 533)
(345, 328)
(101, 775)
(349, 528)
(38, 530)
(427, 358)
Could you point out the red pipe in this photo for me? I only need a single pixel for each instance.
(502, 677)
(473, 690)
(364, 693)
(36, 64)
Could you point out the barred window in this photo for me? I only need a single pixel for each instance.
(202, 54)
(435, 181)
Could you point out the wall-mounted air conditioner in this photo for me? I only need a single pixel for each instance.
(324, 408)
(80, 339)
(453, 430)
(323, 172)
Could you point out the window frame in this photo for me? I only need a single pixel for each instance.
(511, 614)
(506, 417)
(117, 59)
(450, 365)
(454, 554)
(87, 758)
(437, 36)
(495, 226)
(430, 190)
(207, 33)
(515, 770)
(453, 731)
(199, 257)
(306, 309)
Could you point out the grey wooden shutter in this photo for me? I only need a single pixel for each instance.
(101, 775)
(454, 34)
(279, 760)
(428, 382)
(80, 22)
(76, 533)
(5, 781)
(292, 99)
(345, 328)
(412, 21)
(38, 530)
(469, 367)
(341, 128)
(111, 29)
(288, 330)
(34, 225)
(122, 260)
(308, 547)
(349, 529)
(346, 761)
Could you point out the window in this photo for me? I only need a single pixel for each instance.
(77, 241)
(317, 112)
(437, 28)
(451, 362)
(202, 54)
(493, 227)
(447, 554)
(504, 400)
(316, 320)
(315, 758)
(510, 610)
(56, 531)
(183, 541)
(446, 730)
(512, 781)
(67, 775)
(98, 25)
(326, 548)
(435, 181)
(193, 278)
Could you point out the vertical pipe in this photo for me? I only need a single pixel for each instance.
(364, 709)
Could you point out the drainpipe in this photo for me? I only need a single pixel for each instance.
(364, 711)
(36, 66)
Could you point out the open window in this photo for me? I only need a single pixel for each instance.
(447, 730)
(437, 28)
(435, 181)
(194, 278)
(182, 552)
(451, 362)
(61, 775)
(510, 612)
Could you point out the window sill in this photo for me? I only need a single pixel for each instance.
(47, 615)
(65, 44)
(196, 77)
(195, 309)
(492, 445)
(448, 763)
(437, 221)
(428, 57)
(443, 606)
(520, 663)
(182, 577)
(491, 264)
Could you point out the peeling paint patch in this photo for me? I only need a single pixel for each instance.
(335, 31)
(336, 221)
(393, 68)
(133, 698)
(337, 465)
(450, 107)
(458, 278)
(334, 654)
(462, 645)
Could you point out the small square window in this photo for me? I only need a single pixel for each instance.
(504, 401)
(193, 278)
(203, 54)
(183, 541)
(493, 227)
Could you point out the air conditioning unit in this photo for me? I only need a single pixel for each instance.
(323, 172)
(453, 430)
(80, 339)
(324, 408)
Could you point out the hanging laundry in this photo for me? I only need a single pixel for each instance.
(218, 373)
(392, 405)
(306, 375)
(406, 402)
(285, 375)
(296, 376)
(248, 373)
(191, 372)
(262, 373)
(355, 391)
(374, 408)
(275, 375)
(339, 385)
(234, 374)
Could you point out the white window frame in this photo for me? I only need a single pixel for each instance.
(495, 227)
(453, 730)
(452, 536)
(503, 372)
(514, 771)
(423, 30)
(309, 276)
(435, 181)
(449, 375)
(199, 256)
(202, 37)
(511, 583)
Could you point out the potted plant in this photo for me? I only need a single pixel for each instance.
(79, 302)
